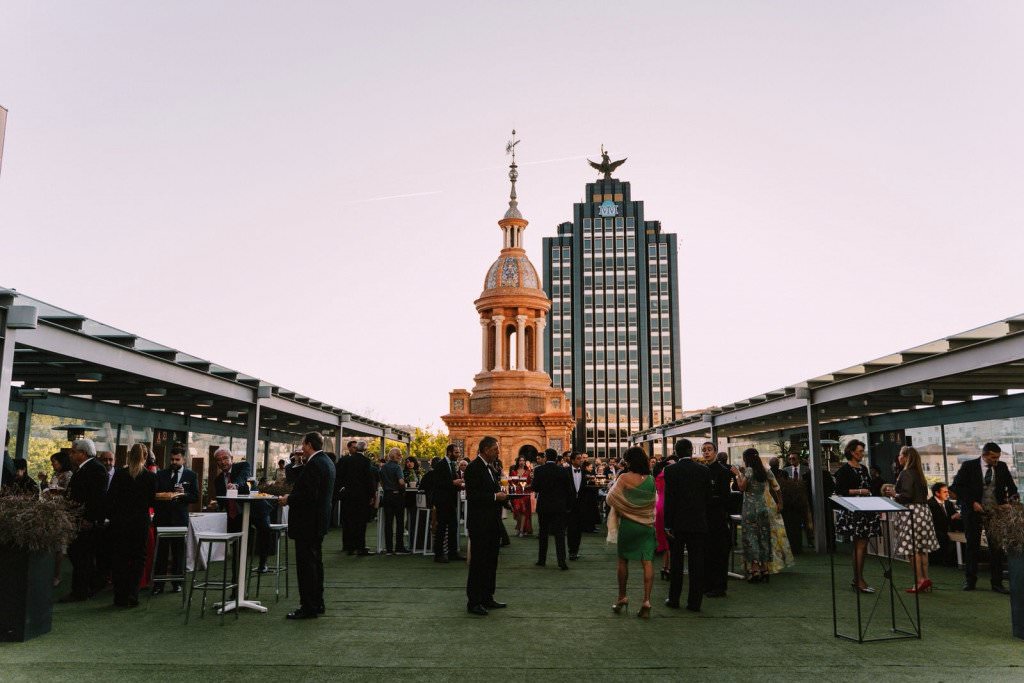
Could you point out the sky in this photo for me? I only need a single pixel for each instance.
(308, 192)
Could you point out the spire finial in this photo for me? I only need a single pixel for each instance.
(513, 175)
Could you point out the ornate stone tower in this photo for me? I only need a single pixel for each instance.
(513, 399)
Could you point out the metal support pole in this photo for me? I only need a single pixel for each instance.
(266, 458)
(6, 372)
(24, 430)
(252, 435)
(664, 445)
(819, 505)
(945, 463)
(713, 436)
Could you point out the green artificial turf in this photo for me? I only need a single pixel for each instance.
(405, 616)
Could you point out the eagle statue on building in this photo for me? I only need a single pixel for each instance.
(607, 165)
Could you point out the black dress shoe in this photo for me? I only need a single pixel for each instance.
(539, 564)
(263, 569)
(563, 567)
(176, 589)
(301, 614)
(362, 552)
(479, 610)
(669, 603)
(441, 559)
(495, 605)
(1000, 588)
(693, 608)
(321, 610)
(715, 594)
(968, 585)
(158, 591)
(133, 602)
(574, 557)
(456, 558)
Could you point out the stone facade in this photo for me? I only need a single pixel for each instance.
(512, 398)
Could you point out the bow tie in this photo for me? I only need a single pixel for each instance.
(575, 471)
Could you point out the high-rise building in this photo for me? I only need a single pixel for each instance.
(613, 341)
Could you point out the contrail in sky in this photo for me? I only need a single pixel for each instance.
(394, 196)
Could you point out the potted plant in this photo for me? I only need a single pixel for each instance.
(1006, 528)
(31, 530)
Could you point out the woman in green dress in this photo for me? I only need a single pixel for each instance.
(631, 525)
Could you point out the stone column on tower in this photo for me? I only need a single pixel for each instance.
(498, 334)
(520, 342)
(483, 345)
(538, 345)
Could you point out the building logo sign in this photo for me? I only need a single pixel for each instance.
(608, 208)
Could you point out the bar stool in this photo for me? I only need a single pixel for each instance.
(422, 508)
(227, 582)
(167, 532)
(280, 531)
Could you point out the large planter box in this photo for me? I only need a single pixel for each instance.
(1015, 561)
(26, 593)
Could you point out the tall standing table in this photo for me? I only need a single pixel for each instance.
(245, 502)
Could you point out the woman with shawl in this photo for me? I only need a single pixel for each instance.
(631, 525)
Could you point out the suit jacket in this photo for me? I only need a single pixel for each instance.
(445, 494)
(483, 512)
(238, 475)
(721, 488)
(969, 484)
(128, 500)
(553, 486)
(174, 512)
(786, 472)
(941, 516)
(687, 496)
(310, 499)
(576, 495)
(88, 488)
(355, 480)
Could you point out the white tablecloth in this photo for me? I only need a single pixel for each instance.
(216, 522)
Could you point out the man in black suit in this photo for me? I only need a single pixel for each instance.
(687, 494)
(88, 488)
(446, 484)
(981, 486)
(577, 505)
(230, 475)
(308, 522)
(358, 490)
(716, 557)
(484, 498)
(173, 513)
(553, 488)
(945, 518)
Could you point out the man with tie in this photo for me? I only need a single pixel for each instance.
(358, 492)
(553, 491)
(982, 485)
(484, 499)
(716, 552)
(945, 518)
(230, 475)
(308, 522)
(104, 541)
(88, 488)
(574, 520)
(447, 483)
(180, 479)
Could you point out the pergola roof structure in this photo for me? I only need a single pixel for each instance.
(57, 352)
(978, 364)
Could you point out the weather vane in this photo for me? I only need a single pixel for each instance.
(513, 173)
(607, 165)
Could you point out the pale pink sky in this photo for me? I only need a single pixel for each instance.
(844, 178)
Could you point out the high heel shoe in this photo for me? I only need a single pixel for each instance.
(923, 586)
(645, 611)
(862, 589)
(665, 576)
(621, 605)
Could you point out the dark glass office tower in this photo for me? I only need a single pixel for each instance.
(613, 337)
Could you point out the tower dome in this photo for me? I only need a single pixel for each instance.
(512, 271)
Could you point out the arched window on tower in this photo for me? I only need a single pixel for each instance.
(531, 349)
(511, 351)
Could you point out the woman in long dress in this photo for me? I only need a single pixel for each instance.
(522, 507)
(631, 525)
(659, 517)
(755, 482)
(131, 495)
(853, 479)
(782, 551)
(916, 531)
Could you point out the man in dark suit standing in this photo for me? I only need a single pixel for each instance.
(447, 483)
(554, 491)
(483, 517)
(945, 518)
(180, 479)
(308, 522)
(574, 520)
(981, 486)
(88, 487)
(687, 494)
(358, 490)
(716, 557)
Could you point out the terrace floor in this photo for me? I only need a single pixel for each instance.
(405, 616)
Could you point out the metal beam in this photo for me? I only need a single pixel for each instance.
(688, 429)
(300, 410)
(761, 410)
(970, 359)
(62, 341)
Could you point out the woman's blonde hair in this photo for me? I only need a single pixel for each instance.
(913, 461)
(137, 459)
